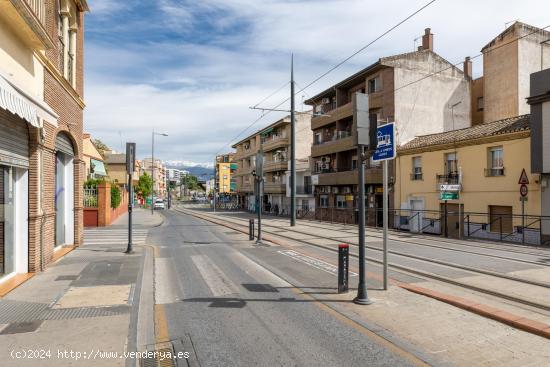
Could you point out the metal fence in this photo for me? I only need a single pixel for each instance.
(90, 197)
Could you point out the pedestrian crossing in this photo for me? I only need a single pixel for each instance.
(113, 236)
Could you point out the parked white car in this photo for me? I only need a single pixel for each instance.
(159, 204)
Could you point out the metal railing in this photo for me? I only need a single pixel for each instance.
(90, 197)
(494, 172)
(416, 176)
(450, 178)
(39, 9)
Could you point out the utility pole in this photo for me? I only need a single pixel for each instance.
(292, 147)
(130, 166)
(258, 178)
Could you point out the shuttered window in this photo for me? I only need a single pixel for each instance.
(64, 144)
(14, 140)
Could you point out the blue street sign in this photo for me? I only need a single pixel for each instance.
(385, 148)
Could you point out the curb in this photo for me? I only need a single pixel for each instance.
(518, 322)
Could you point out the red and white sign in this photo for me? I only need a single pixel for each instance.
(523, 190)
(523, 180)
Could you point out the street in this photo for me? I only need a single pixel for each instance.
(236, 312)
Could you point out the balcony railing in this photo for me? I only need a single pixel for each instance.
(304, 190)
(38, 8)
(449, 179)
(494, 172)
(416, 176)
(343, 134)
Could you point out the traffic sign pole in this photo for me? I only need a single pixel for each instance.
(385, 235)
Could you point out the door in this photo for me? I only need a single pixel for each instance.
(59, 199)
(64, 190)
(416, 215)
(7, 220)
(451, 220)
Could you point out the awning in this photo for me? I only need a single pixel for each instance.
(24, 105)
(97, 168)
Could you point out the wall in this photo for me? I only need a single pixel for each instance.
(478, 191)
(529, 61)
(476, 88)
(424, 107)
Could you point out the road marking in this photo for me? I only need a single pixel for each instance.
(166, 288)
(316, 263)
(217, 281)
(256, 271)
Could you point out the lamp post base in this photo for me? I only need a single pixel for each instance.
(362, 301)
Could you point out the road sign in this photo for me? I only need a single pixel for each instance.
(130, 157)
(385, 149)
(445, 187)
(523, 179)
(446, 195)
(523, 190)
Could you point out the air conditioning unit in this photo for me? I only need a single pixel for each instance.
(325, 101)
(325, 159)
(325, 166)
(335, 190)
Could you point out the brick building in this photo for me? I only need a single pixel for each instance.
(41, 138)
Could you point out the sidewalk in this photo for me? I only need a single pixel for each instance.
(83, 309)
(438, 330)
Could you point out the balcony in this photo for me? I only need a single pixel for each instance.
(416, 177)
(340, 143)
(27, 18)
(448, 179)
(274, 142)
(338, 113)
(349, 177)
(273, 166)
(274, 187)
(494, 172)
(304, 190)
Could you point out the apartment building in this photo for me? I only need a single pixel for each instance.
(225, 172)
(508, 61)
(433, 103)
(41, 133)
(305, 201)
(483, 165)
(274, 143)
(159, 177)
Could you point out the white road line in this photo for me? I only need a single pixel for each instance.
(257, 272)
(166, 287)
(217, 281)
(316, 263)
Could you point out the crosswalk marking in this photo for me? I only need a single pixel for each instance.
(113, 236)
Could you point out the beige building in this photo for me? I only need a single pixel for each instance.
(479, 168)
(159, 187)
(274, 142)
(437, 103)
(508, 60)
(93, 160)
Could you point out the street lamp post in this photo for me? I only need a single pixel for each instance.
(153, 168)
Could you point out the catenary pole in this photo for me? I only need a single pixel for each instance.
(153, 171)
(292, 147)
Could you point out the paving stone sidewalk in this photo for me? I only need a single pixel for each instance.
(78, 311)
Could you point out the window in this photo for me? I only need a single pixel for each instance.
(323, 201)
(479, 104)
(341, 202)
(451, 164)
(318, 138)
(374, 85)
(305, 205)
(495, 162)
(417, 168)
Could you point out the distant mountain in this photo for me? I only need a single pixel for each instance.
(200, 170)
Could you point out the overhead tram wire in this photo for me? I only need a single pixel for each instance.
(269, 110)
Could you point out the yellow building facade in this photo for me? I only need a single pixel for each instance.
(480, 164)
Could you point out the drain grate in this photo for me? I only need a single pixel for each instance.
(162, 350)
(17, 311)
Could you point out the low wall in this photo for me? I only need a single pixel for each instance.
(103, 215)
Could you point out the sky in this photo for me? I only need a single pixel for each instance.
(191, 69)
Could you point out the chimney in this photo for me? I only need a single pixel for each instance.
(467, 68)
(428, 40)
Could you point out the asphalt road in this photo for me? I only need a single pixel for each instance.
(220, 297)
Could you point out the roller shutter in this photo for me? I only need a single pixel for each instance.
(64, 144)
(14, 140)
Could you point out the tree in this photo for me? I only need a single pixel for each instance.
(101, 147)
(190, 182)
(145, 185)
